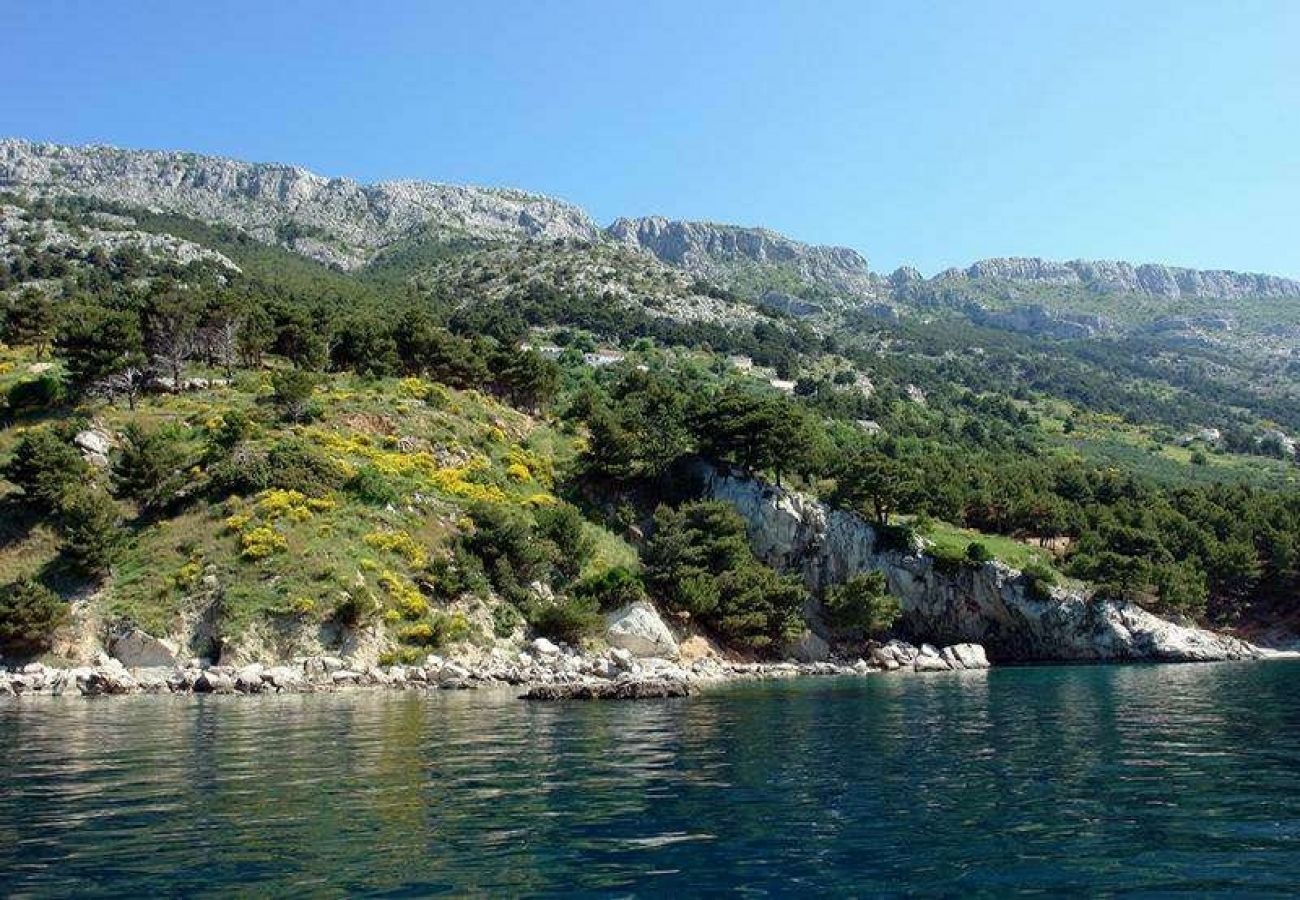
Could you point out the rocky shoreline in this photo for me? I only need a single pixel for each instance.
(544, 671)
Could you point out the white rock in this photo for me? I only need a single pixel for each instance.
(810, 648)
(138, 650)
(542, 647)
(638, 628)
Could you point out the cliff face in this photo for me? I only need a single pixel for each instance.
(1125, 278)
(731, 254)
(991, 604)
(335, 220)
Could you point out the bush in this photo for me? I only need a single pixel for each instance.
(978, 553)
(149, 467)
(862, 604)
(699, 561)
(293, 390)
(569, 619)
(1039, 579)
(505, 541)
(295, 465)
(900, 537)
(46, 392)
(244, 472)
(90, 522)
(612, 589)
(571, 545)
(29, 614)
(44, 465)
(354, 608)
(370, 486)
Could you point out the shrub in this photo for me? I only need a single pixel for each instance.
(90, 523)
(978, 553)
(149, 466)
(863, 604)
(297, 466)
(245, 471)
(612, 589)
(44, 465)
(505, 541)
(568, 619)
(948, 560)
(1039, 579)
(899, 537)
(505, 618)
(570, 543)
(292, 394)
(354, 608)
(42, 393)
(29, 614)
(370, 486)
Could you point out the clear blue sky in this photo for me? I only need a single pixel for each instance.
(926, 133)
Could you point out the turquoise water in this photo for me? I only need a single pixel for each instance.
(1139, 779)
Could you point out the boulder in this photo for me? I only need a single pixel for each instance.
(638, 629)
(542, 647)
(137, 649)
(965, 656)
(212, 681)
(94, 446)
(930, 660)
(810, 648)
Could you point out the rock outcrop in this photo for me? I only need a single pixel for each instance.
(638, 629)
(988, 604)
(1112, 277)
(335, 220)
(730, 254)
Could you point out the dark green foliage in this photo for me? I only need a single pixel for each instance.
(28, 318)
(149, 466)
(29, 614)
(698, 561)
(91, 527)
(369, 485)
(569, 543)
(978, 553)
(758, 432)
(243, 471)
(36, 395)
(98, 343)
(353, 609)
(1039, 579)
(568, 619)
(862, 604)
(504, 540)
(293, 390)
(44, 464)
(612, 589)
(295, 465)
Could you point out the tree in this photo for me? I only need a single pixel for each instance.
(44, 465)
(97, 343)
(873, 482)
(758, 432)
(29, 614)
(862, 603)
(149, 467)
(91, 526)
(29, 319)
(293, 390)
(172, 333)
(525, 377)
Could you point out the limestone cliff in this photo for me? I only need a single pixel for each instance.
(335, 220)
(755, 259)
(990, 604)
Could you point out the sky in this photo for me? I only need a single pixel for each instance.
(922, 133)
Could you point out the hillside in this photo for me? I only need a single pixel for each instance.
(261, 414)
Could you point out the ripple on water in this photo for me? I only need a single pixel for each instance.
(1157, 779)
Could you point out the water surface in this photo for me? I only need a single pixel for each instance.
(1133, 779)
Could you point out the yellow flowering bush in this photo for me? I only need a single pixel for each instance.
(261, 542)
(518, 472)
(399, 542)
(188, 575)
(410, 602)
(277, 503)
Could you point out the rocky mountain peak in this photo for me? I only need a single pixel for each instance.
(727, 253)
(1117, 277)
(336, 220)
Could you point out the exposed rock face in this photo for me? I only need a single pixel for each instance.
(335, 220)
(1126, 278)
(1038, 320)
(137, 649)
(991, 605)
(722, 252)
(638, 629)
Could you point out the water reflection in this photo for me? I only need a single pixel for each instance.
(1052, 779)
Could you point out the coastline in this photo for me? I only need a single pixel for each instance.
(544, 672)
